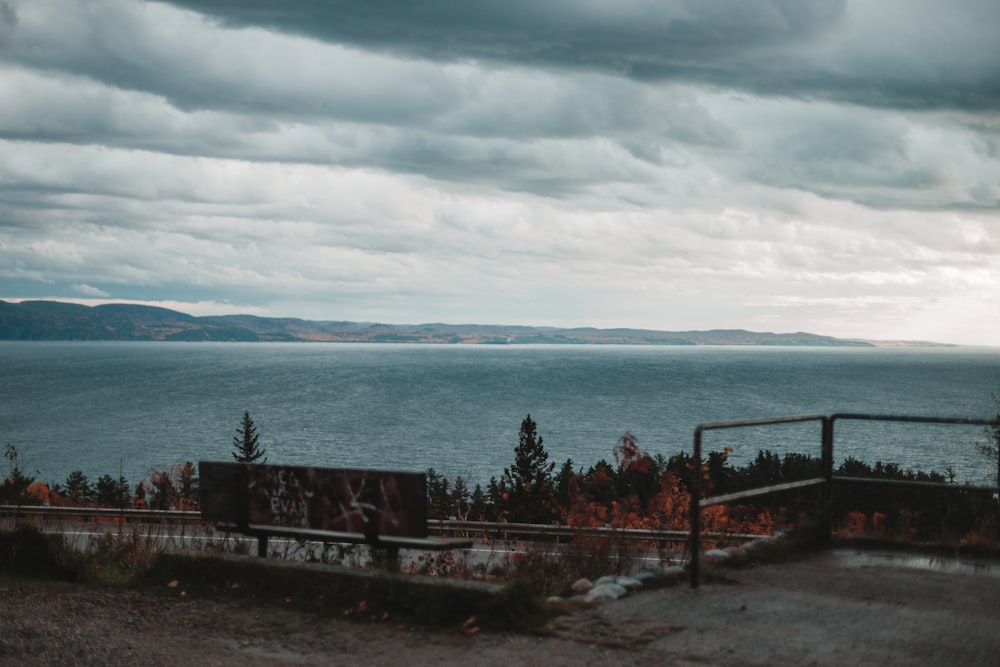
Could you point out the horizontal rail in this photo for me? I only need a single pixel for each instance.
(557, 531)
(714, 426)
(438, 526)
(912, 419)
(922, 484)
(392, 541)
(763, 491)
(818, 481)
(99, 512)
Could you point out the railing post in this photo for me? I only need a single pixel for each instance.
(695, 565)
(826, 509)
(261, 546)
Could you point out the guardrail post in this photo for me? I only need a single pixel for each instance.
(695, 564)
(826, 509)
(262, 546)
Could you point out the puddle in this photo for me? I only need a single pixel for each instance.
(932, 563)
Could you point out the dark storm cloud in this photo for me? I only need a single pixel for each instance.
(920, 54)
(8, 22)
(614, 36)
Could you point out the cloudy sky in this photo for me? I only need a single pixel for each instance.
(775, 165)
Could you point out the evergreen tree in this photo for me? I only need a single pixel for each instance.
(459, 499)
(112, 493)
(438, 491)
(246, 445)
(14, 489)
(528, 495)
(563, 482)
(478, 505)
(494, 500)
(78, 488)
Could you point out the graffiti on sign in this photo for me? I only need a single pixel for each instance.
(353, 501)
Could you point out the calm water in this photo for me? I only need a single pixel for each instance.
(98, 406)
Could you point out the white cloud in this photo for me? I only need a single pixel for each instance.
(89, 291)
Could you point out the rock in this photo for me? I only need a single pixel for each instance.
(624, 582)
(555, 599)
(607, 591)
(756, 546)
(715, 556)
(737, 555)
(646, 576)
(581, 586)
(672, 571)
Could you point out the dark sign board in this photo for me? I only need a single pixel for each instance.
(333, 499)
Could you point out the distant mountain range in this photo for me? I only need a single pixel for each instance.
(54, 320)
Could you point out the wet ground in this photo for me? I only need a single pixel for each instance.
(835, 608)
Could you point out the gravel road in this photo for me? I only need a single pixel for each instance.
(825, 610)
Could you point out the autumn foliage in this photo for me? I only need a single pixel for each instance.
(656, 499)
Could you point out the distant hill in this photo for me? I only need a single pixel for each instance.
(53, 320)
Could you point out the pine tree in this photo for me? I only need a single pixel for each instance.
(246, 445)
(563, 483)
(14, 487)
(79, 489)
(527, 490)
(459, 499)
(437, 495)
(113, 493)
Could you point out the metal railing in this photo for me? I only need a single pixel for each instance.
(505, 530)
(824, 483)
(497, 529)
(106, 513)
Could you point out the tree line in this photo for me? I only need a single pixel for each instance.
(635, 489)
(174, 488)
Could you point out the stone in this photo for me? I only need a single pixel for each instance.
(646, 576)
(624, 582)
(581, 586)
(737, 555)
(607, 591)
(715, 556)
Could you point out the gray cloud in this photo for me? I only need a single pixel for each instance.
(909, 54)
(782, 165)
(8, 22)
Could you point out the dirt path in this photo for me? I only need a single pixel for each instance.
(821, 611)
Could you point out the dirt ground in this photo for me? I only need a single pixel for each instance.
(829, 609)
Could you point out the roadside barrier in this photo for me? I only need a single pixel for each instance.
(825, 483)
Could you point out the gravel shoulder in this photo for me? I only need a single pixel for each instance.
(824, 610)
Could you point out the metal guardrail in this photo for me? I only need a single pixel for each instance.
(100, 513)
(825, 482)
(570, 532)
(436, 526)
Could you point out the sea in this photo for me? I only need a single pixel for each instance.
(126, 408)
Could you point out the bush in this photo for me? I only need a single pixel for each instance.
(28, 552)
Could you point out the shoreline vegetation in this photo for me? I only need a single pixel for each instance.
(60, 321)
(632, 490)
